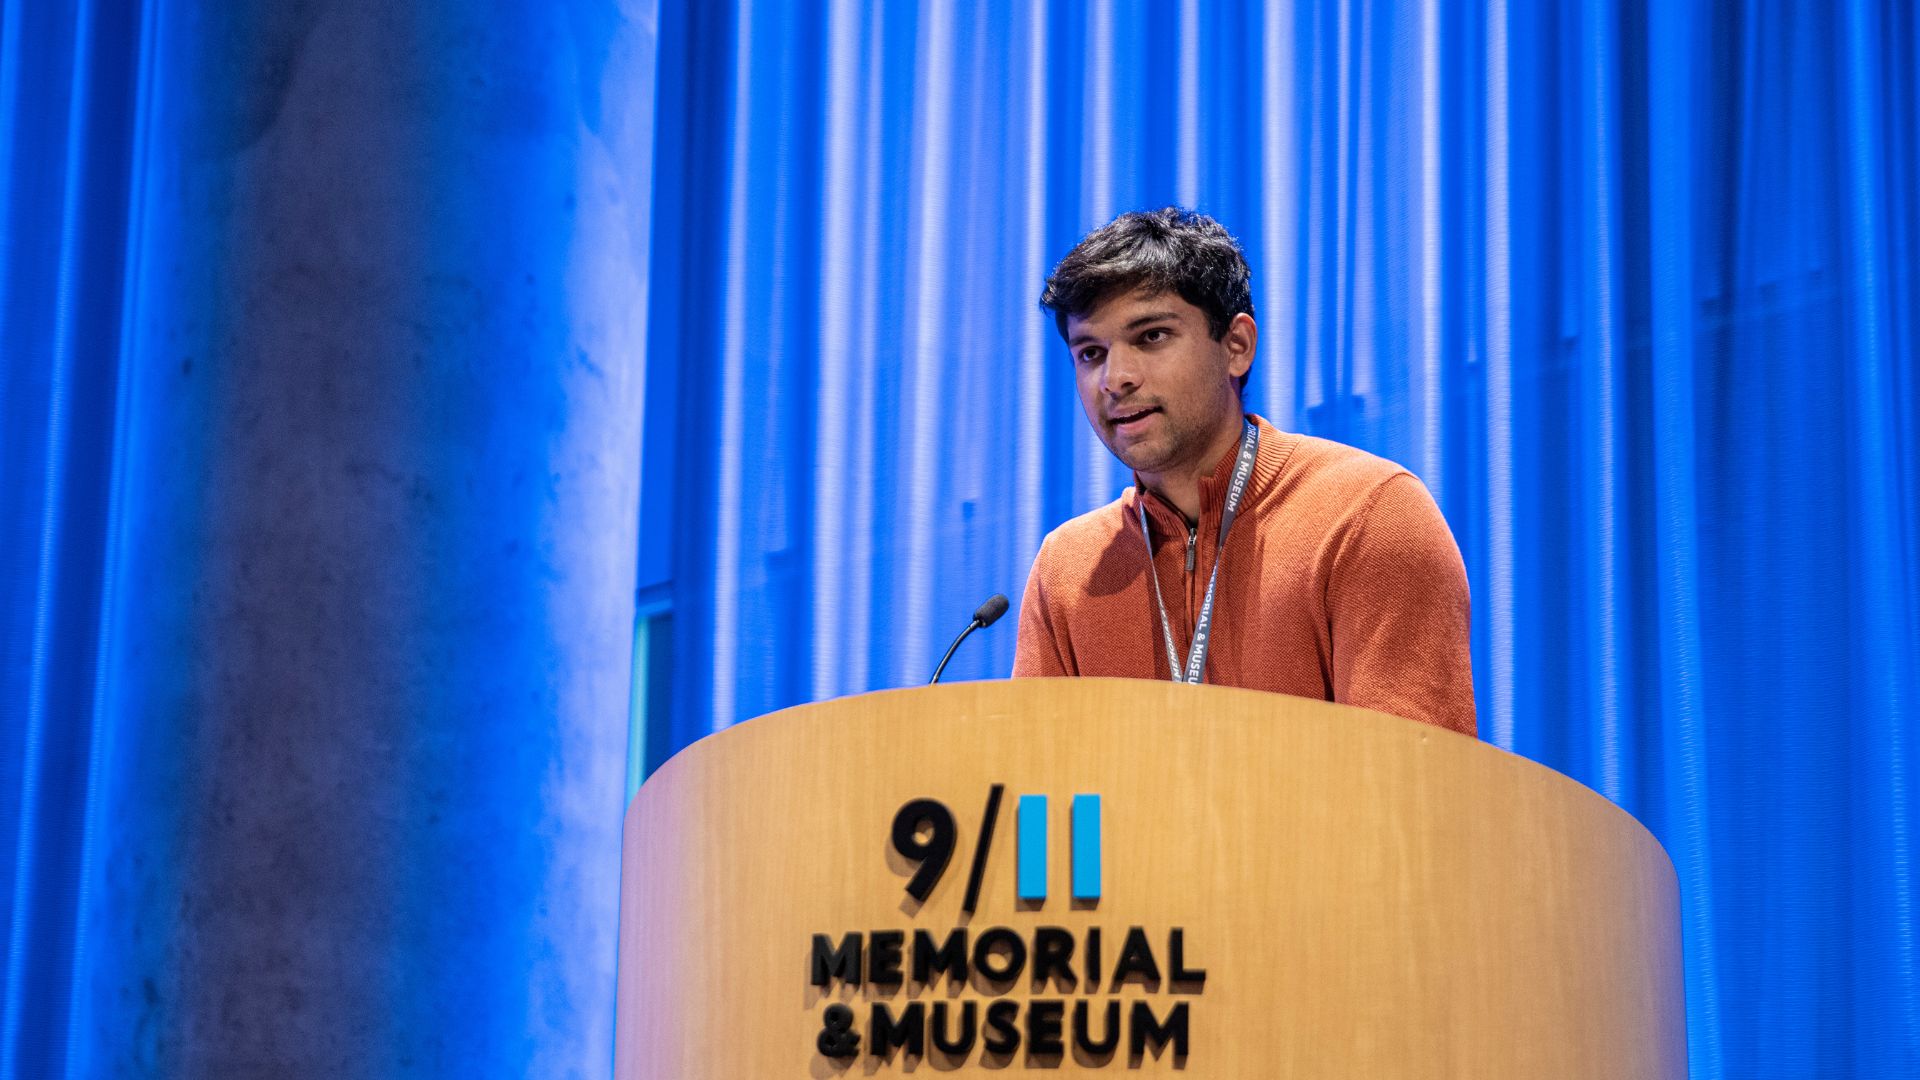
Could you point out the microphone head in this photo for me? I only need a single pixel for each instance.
(990, 611)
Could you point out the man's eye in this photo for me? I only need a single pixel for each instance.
(1091, 356)
(1155, 335)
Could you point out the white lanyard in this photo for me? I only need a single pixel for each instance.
(1202, 627)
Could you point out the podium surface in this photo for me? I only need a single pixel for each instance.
(1279, 888)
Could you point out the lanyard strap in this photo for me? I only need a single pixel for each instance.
(1196, 665)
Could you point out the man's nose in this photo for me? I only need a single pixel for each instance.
(1122, 375)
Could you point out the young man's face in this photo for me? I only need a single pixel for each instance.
(1157, 388)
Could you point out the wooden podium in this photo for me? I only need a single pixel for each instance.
(1285, 888)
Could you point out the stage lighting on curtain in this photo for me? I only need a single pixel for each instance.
(1625, 284)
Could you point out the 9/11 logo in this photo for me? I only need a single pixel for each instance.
(1075, 975)
(924, 832)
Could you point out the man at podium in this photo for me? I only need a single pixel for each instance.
(1242, 555)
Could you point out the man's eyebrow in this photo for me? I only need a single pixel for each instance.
(1151, 317)
(1134, 324)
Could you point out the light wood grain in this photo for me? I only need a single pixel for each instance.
(1369, 897)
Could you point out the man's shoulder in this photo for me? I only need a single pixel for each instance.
(1334, 475)
(1334, 491)
(1079, 541)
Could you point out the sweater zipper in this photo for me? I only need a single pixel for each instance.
(1192, 533)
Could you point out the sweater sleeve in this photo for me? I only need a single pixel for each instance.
(1038, 652)
(1399, 612)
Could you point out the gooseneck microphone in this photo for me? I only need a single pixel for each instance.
(995, 607)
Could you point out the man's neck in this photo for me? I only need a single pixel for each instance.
(1180, 485)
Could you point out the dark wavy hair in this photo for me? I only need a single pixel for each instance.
(1171, 250)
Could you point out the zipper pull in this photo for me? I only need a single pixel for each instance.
(1192, 534)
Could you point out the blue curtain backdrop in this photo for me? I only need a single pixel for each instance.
(1629, 284)
(67, 96)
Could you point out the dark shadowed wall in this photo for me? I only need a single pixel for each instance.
(371, 375)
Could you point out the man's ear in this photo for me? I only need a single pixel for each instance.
(1241, 339)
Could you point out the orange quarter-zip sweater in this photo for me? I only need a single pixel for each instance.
(1340, 581)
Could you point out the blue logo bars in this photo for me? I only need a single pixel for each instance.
(1084, 841)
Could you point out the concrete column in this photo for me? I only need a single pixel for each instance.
(370, 610)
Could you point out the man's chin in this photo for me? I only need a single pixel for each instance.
(1141, 458)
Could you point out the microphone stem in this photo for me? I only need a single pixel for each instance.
(971, 627)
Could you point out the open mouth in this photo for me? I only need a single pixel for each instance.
(1131, 421)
